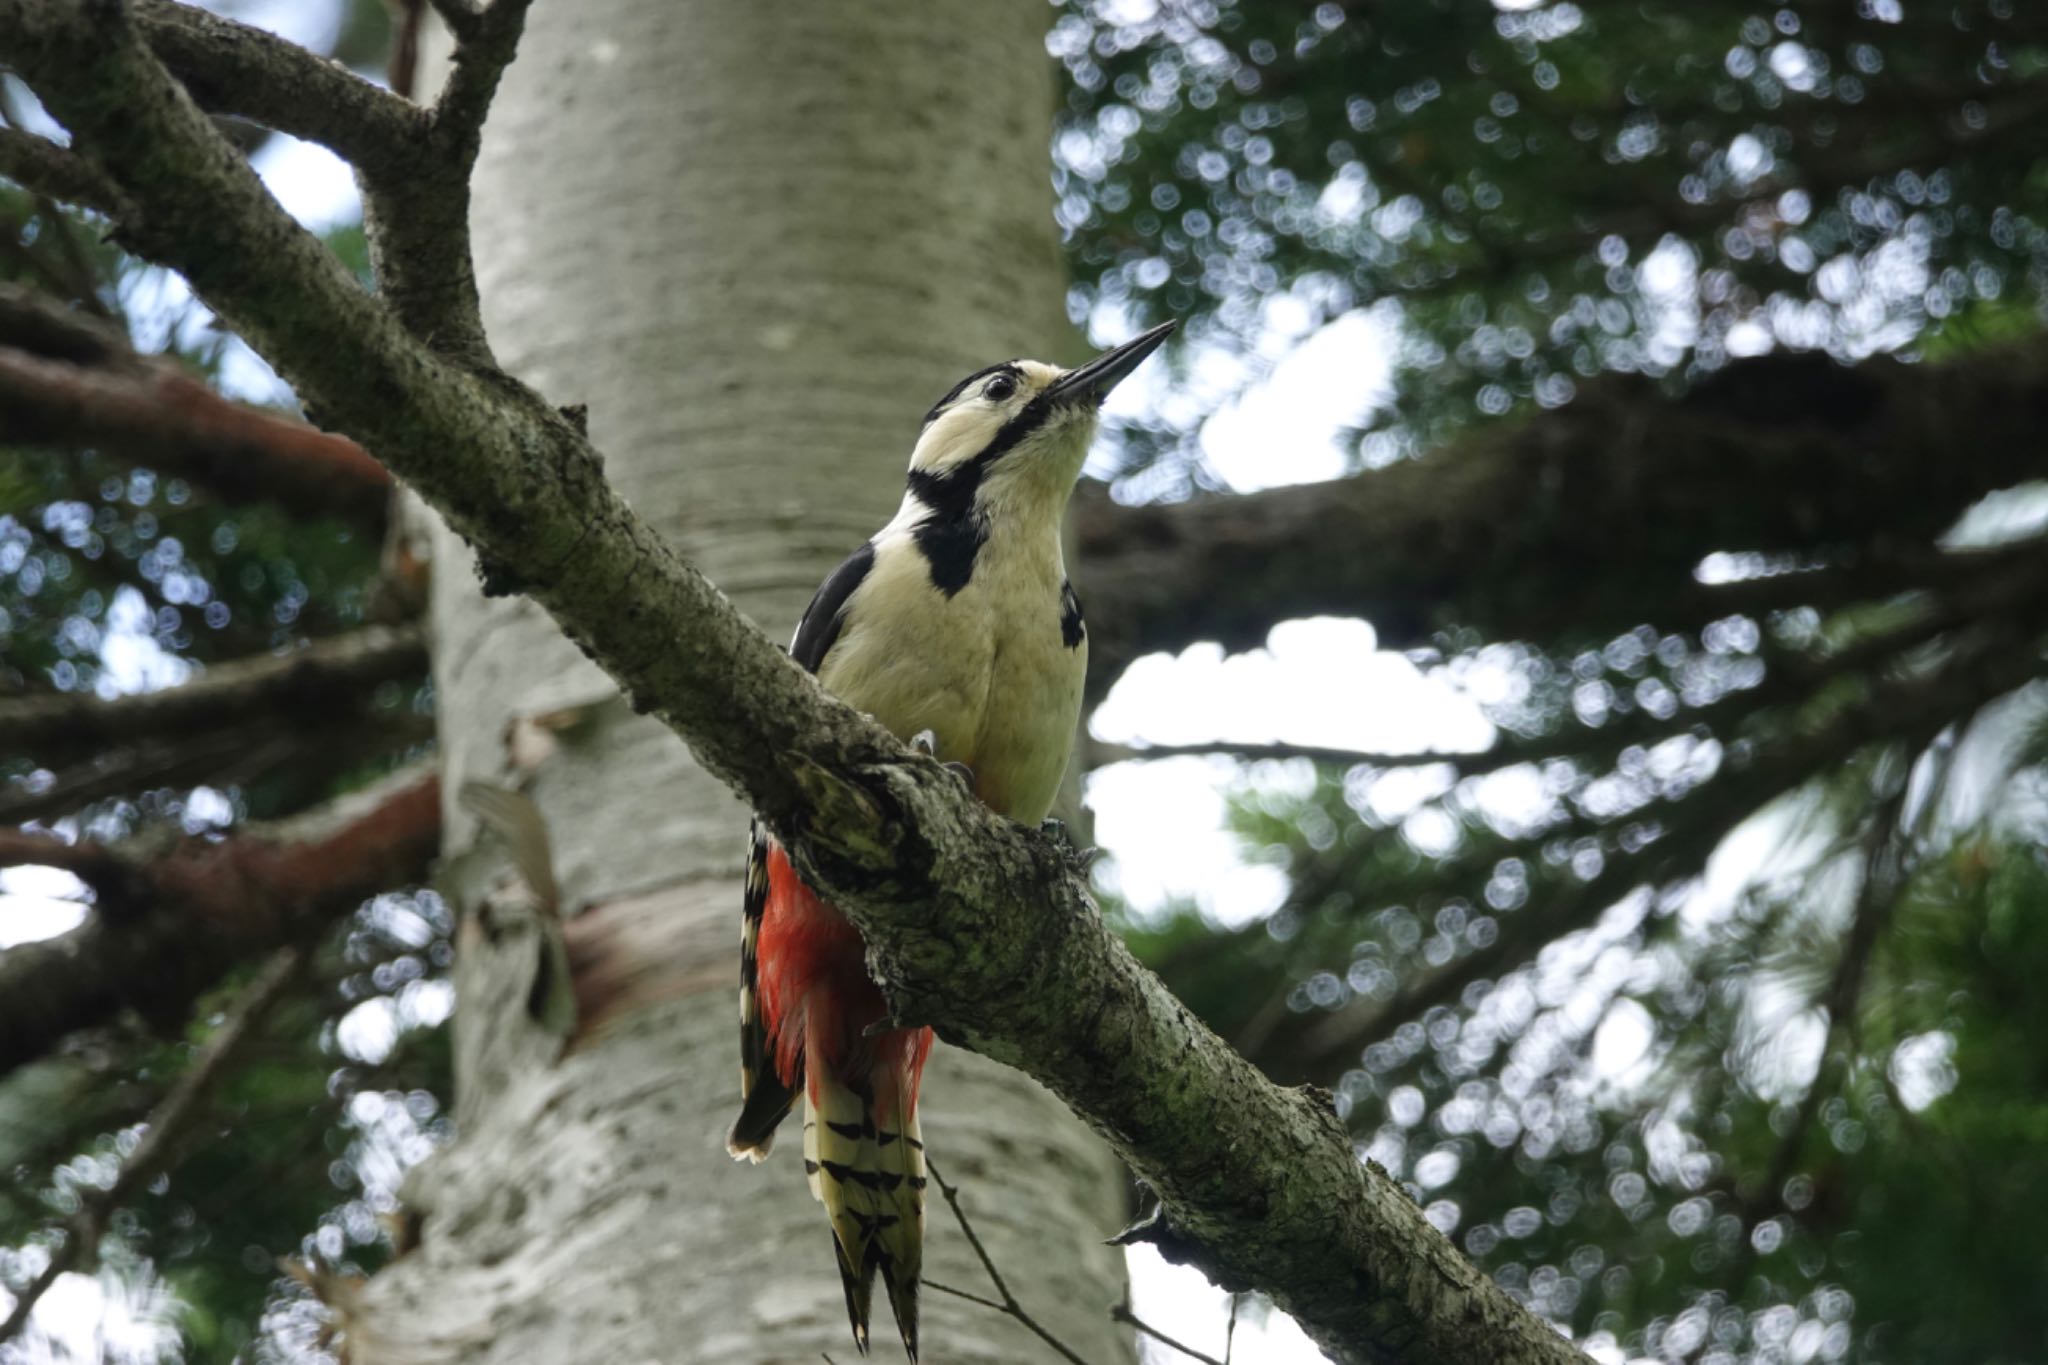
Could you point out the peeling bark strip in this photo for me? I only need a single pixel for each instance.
(977, 926)
(169, 921)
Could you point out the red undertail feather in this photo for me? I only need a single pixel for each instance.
(806, 1008)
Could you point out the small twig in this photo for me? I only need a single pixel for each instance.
(166, 1128)
(963, 1294)
(57, 172)
(1122, 1313)
(952, 1195)
(234, 68)
(1009, 1307)
(1230, 1328)
(1101, 754)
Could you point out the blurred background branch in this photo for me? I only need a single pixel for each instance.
(1582, 521)
(167, 920)
(310, 685)
(65, 380)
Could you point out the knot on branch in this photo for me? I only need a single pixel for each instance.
(498, 578)
(856, 825)
(1176, 1247)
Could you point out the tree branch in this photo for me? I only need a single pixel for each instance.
(64, 380)
(41, 165)
(309, 683)
(1589, 519)
(1963, 589)
(168, 1128)
(237, 69)
(976, 925)
(178, 425)
(170, 920)
(106, 872)
(419, 221)
(254, 749)
(1913, 711)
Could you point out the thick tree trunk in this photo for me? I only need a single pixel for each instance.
(756, 247)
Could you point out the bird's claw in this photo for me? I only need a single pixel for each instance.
(1078, 858)
(927, 743)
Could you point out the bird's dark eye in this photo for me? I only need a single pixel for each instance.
(1000, 388)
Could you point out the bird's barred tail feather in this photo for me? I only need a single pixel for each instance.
(865, 1159)
(812, 1021)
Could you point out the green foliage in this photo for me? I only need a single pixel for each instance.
(203, 581)
(299, 1153)
(1556, 190)
(114, 578)
(1659, 1131)
(1654, 1128)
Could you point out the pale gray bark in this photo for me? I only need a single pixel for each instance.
(756, 286)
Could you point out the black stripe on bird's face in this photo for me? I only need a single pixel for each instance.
(1008, 367)
(954, 531)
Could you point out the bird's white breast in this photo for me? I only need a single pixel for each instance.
(986, 669)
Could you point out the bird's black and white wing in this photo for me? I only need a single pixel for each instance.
(819, 629)
(765, 1099)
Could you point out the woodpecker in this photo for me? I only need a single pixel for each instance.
(955, 626)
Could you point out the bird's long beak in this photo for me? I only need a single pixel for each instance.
(1091, 383)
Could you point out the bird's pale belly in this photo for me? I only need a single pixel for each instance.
(1003, 699)
(1027, 732)
(1013, 729)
